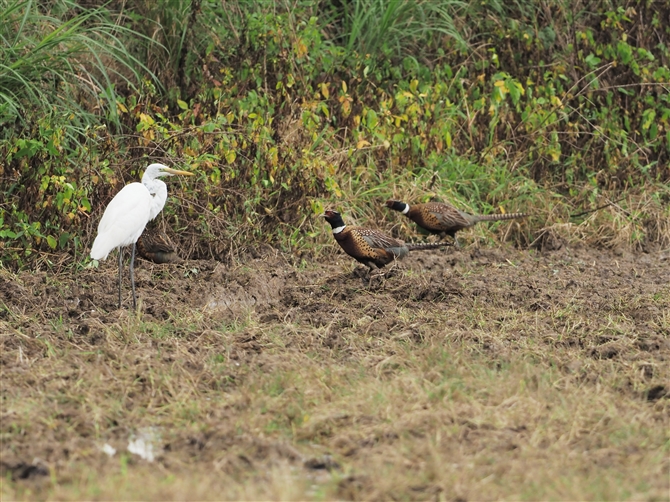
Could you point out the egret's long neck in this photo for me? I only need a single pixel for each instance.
(158, 191)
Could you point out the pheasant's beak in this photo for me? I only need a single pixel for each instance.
(175, 171)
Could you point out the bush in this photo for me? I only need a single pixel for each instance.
(284, 111)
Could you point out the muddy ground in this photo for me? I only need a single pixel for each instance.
(269, 369)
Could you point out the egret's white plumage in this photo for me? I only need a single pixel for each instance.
(129, 212)
(116, 229)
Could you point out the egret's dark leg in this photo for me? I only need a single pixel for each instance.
(132, 276)
(120, 272)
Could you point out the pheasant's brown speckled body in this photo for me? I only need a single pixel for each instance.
(443, 219)
(371, 247)
(155, 246)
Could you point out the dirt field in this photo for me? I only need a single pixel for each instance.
(465, 375)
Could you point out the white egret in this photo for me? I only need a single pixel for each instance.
(128, 213)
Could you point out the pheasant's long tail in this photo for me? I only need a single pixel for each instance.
(427, 245)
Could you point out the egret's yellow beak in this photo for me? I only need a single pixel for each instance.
(175, 171)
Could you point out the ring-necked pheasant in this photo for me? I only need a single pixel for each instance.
(443, 219)
(370, 247)
(156, 247)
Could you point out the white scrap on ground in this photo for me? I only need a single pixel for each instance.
(144, 443)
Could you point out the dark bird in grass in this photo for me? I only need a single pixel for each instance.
(156, 247)
(372, 248)
(443, 219)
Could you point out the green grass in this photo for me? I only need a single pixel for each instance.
(57, 54)
(395, 27)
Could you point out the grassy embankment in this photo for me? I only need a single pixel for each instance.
(281, 114)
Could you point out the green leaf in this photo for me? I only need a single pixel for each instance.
(592, 60)
(624, 51)
(62, 240)
(182, 104)
(372, 119)
(12, 235)
(51, 240)
(648, 117)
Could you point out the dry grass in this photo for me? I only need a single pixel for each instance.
(467, 375)
(624, 221)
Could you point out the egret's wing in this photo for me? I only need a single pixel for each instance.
(123, 221)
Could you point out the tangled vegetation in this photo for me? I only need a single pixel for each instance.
(285, 107)
(261, 367)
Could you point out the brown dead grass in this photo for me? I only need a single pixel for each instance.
(471, 375)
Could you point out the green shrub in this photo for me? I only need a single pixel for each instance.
(283, 111)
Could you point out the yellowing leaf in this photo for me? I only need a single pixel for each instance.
(121, 107)
(344, 86)
(324, 90)
(51, 240)
(274, 158)
(301, 49)
(362, 143)
(146, 120)
(499, 83)
(231, 156)
(182, 104)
